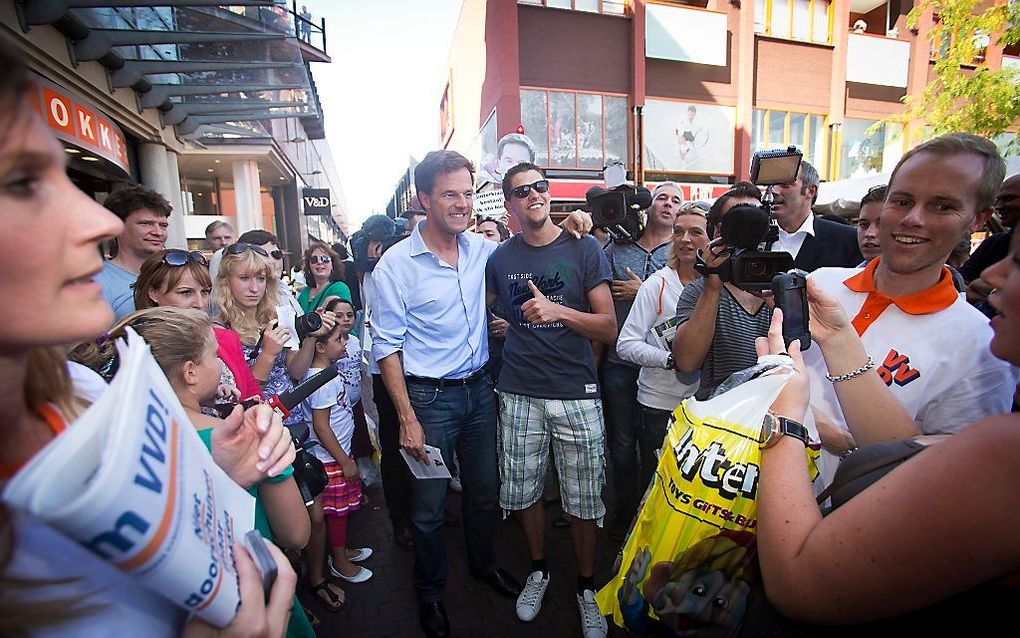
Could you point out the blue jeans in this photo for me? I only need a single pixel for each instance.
(461, 419)
(623, 418)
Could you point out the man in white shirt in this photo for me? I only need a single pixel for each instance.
(812, 241)
(926, 343)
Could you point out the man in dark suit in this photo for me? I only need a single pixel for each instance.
(814, 242)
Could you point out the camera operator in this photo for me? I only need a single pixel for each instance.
(813, 242)
(632, 262)
(719, 321)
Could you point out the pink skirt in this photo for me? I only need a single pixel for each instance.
(341, 497)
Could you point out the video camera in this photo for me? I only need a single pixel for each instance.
(745, 229)
(618, 209)
(743, 232)
(377, 228)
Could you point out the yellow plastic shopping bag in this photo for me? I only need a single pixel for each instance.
(690, 559)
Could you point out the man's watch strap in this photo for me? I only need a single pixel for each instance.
(670, 362)
(775, 426)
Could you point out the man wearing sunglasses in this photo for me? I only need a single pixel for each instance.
(145, 214)
(429, 326)
(557, 294)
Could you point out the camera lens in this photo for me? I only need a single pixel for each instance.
(756, 268)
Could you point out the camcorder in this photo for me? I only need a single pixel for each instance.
(744, 231)
(618, 210)
(376, 229)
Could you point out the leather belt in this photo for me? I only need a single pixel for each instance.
(448, 383)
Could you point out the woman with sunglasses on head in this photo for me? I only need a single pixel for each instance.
(323, 274)
(246, 294)
(50, 585)
(180, 279)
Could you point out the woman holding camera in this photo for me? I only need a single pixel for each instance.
(247, 306)
(324, 273)
(929, 546)
(49, 584)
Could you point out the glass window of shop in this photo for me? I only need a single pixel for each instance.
(614, 7)
(575, 130)
(779, 129)
(864, 150)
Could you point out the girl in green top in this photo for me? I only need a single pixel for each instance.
(322, 266)
(184, 346)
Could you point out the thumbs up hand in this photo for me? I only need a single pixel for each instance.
(539, 310)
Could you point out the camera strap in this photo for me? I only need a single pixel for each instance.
(705, 270)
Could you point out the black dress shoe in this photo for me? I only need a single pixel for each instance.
(434, 622)
(503, 583)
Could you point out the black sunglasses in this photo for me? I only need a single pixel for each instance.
(541, 186)
(238, 248)
(178, 257)
(276, 254)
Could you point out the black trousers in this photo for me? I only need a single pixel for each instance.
(396, 477)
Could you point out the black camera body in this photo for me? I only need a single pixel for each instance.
(306, 324)
(618, 210)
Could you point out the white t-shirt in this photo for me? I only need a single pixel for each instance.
(332, 396)
(935, 358)
(350, 370)
(654, 304)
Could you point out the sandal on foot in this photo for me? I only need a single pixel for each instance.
(331, 601)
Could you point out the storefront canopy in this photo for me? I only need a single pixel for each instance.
(206, 66)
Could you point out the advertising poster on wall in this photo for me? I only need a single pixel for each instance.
(511, 150)
(689, 138)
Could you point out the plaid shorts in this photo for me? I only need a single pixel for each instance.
(574, 428)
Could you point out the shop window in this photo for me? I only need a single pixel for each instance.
(779, 129)
(863, 151)
(575, 130)
(807, 20)
(611, 7)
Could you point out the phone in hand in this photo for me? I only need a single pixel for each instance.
(789, 289)
(263, 558)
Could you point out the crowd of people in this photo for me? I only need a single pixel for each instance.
(525, 360)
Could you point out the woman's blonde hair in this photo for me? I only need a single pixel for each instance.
(690, 208)
(249, 261)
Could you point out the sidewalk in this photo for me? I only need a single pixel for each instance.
(385, 607)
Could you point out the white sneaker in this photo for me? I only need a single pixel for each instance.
(361, 576)
(529, 602)
(593, 623)
(455, 484)
(359, 555)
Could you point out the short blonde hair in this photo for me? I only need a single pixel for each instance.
(254, 264)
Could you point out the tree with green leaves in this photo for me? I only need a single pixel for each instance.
(965, 95)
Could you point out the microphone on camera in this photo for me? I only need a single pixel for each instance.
(745, 226)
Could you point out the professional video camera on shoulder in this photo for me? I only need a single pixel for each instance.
(745, 230)
(377, 234)
(618, 207)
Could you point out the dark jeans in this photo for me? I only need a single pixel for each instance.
(396, 478)
(620, 406)
(653, 431)
(461, 419)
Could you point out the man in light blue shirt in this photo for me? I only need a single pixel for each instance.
(145, 214)
(429, 336)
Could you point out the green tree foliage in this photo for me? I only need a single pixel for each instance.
(965, 95)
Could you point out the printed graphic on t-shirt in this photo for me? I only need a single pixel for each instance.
(551, 283)
(896, 369)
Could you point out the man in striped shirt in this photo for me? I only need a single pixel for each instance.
(718, 323)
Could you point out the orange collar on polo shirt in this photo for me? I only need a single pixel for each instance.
(938, 297)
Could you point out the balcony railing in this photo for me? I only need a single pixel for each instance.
(873, 59)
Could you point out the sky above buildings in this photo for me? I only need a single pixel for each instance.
(380, 95)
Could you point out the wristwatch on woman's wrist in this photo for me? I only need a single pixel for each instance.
(670, 363)
(774, 426)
